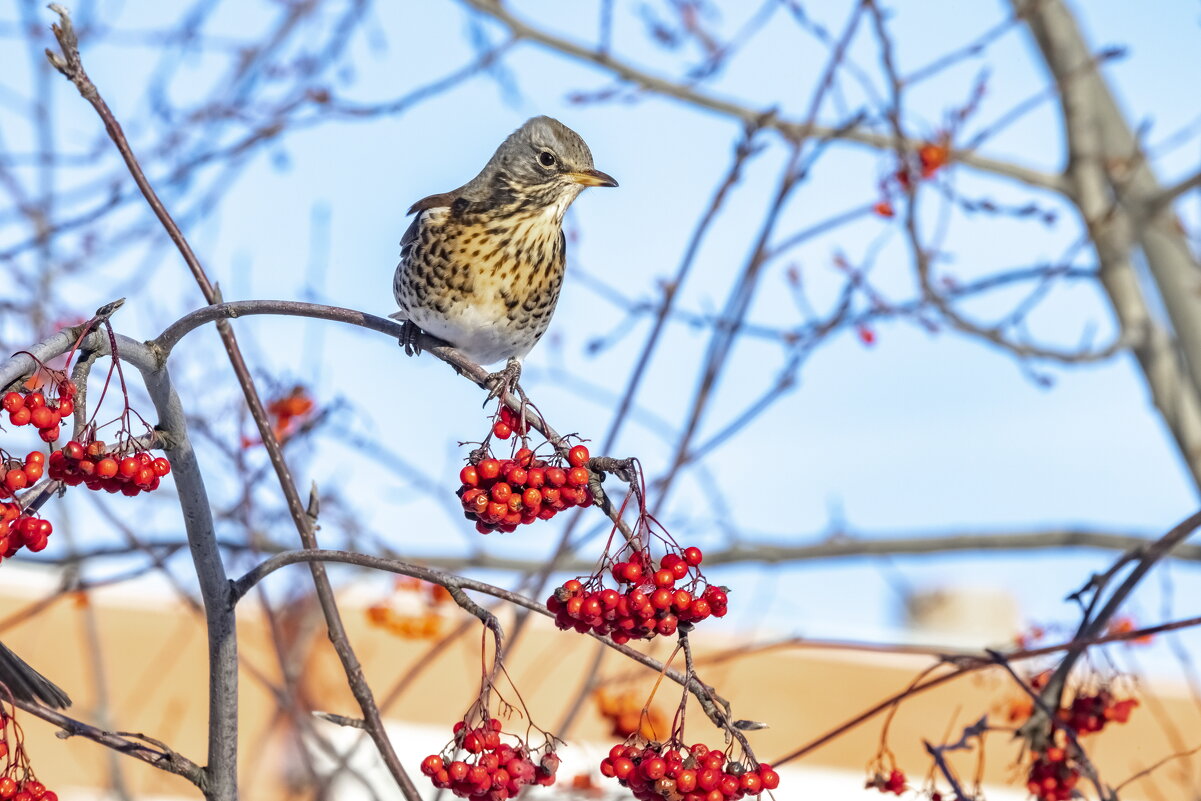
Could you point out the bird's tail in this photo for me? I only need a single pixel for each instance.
(27, 684)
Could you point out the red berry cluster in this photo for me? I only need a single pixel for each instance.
(27, 790)
(500, 495)
(16, 476)
(35, 409)
(893, 783)
(1090, 713)
(1052, 775)
(21, 530)
(509, 422)
(17, 780)
(647, 602)
(654, 772)
(931, 157)
(493, 771)
(97, 468)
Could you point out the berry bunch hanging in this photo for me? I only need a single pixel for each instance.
(44, 414)
(930, 157)
(646, 603)
(1090, 713)
(21, 529)
(501, 494)
(126, 469)
(45, 401)
(492, 770)
(17, 779)
(654, 771)
(1053, 775)
(507, 422)
(893, 783)
(655, 595)
(16, 474)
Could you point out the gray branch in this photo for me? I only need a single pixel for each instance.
(219, 778)
(1119, 198)
(790, 129)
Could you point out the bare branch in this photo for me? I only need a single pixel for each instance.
(1094, 624)
(1169, 194)
(198, 522)
(223, 750)
(131, 745)
(793, 131)
(1116, 192)
(709, 700)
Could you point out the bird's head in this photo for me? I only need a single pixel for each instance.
(544, 163)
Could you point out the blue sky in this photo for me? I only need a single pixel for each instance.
(918, 433)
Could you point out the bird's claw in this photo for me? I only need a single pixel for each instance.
(503, 383)
(409, 332)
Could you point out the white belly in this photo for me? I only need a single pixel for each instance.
(481, 338)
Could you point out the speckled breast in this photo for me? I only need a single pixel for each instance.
(487, 286)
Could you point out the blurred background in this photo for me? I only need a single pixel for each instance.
(895, 305)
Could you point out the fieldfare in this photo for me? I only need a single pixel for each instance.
(481, 266)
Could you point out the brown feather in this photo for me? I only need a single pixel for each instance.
(432, 202)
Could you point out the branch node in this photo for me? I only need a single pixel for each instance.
(106, 311)
(314, 506)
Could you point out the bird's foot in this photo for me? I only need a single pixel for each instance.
(409, 332)
(503, 383)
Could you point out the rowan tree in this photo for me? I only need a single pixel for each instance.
(140, 137)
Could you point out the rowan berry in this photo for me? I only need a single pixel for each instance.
(43, 417)
(578, 456)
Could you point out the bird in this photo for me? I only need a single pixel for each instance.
(26, 684)
(481, 266)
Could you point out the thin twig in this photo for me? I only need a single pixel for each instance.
(71, 66)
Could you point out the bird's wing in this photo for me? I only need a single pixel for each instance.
(434, 201)
(409, 236)
(27, 684)
(443, 200)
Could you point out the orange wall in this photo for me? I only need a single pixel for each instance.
(153, 657)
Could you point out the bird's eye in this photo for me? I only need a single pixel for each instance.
(547, 159)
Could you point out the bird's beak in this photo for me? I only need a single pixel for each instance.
(592, 178)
